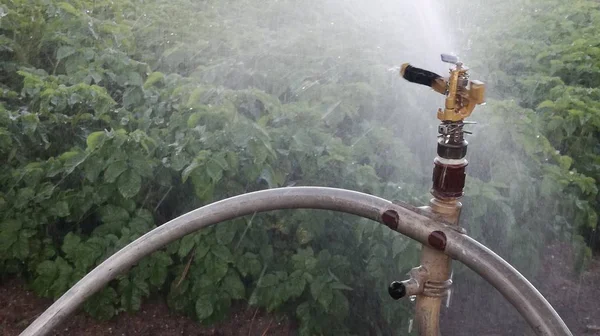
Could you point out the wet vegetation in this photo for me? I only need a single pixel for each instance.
(117, 116)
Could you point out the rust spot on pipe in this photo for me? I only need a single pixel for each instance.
(437, 240)
(391, 219)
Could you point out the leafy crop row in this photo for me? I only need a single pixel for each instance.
(116, 117)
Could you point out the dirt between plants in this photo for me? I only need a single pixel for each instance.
(480, 310)
(19, 307)
(476, 309)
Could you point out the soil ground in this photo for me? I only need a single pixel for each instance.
(19, 307)
(481, 310)
(476, 309)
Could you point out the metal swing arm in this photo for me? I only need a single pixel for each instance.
(415, 223)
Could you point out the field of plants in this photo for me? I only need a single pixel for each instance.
(117, 116)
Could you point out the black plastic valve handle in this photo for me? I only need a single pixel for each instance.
(397, 290)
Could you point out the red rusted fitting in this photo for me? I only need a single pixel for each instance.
(391, 219)
(437, 240)
(448, 178)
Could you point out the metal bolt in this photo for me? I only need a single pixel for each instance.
(437, 240)
(391, 219)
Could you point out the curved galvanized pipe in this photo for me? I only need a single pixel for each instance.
(526, 299)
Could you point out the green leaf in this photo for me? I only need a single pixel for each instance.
(188, 170)
(316, 287)
(9, 235)
(197, 162)
(47, 271)
(20, 249)
(268, 280)
(114, 170)
(268, 175)
(194, 119)
(214, 170)
(24, 196)
(548, 187)
(61, 283)
(339, 305)
(325, 297)
(225, 232)
(111, 213)
(187, 243)
(142, 165)
(10, 225)
(72, 160)
(303, 311)
(234, 286)
(204, 307)
(222, 252)
(88, 252)
(216, 268)
(295, 286)
(133, 97)
(47, 268)
(101, 305)
(131, 292)
(160, 261)
(64, 51)
(140, 226)
(266, 252)
(95, 139)
(565, 162)
(70, 245)
(129, 183)
(93, 167)
(154, 78)
(134, 79)
(201, 250)
(61, 209)
(249, 264)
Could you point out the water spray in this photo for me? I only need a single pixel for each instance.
(434, 226)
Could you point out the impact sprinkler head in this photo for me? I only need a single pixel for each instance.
(462, 94)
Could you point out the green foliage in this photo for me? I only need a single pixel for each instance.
(112, 122)
(116, 117)
(551, 73)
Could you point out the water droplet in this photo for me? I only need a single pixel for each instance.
(412, 298)
(571, 172)
(410, 325)
(537, 136)
(332, 23)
